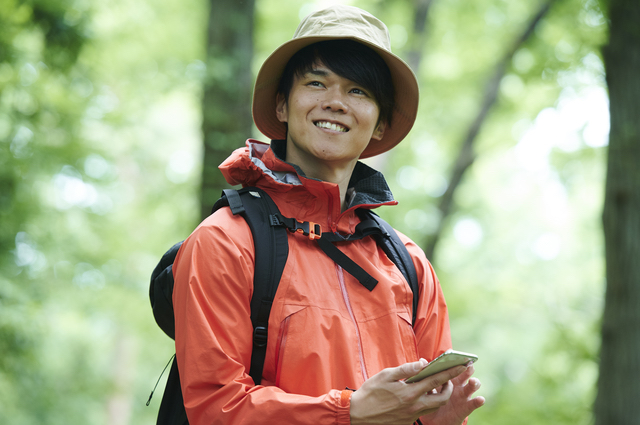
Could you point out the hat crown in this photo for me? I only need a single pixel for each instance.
(345, 21)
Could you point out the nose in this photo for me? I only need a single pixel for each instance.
(334, 101)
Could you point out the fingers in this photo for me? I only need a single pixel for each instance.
(463, 377)
(470, 405)
(477, 402)
(434, 390)
(434, 399)
(466, 403)
(435, 381)
(385, 398)
(406, 370)
(446, 390)
(471, 387)
(438, 387)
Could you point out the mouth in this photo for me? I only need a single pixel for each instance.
(331, 126)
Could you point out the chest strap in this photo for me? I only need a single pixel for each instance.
(326, 240)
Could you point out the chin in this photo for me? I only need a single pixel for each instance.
(332, 156)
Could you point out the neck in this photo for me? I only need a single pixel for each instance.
(339, 177)
(340, 174)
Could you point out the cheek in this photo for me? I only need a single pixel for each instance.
(371, 112)
(368, 106)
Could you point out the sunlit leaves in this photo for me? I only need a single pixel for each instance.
(100, 146)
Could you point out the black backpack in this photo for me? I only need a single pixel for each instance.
(269, 230)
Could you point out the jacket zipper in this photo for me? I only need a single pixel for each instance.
(345, 296)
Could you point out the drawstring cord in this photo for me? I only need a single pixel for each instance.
(156, 386)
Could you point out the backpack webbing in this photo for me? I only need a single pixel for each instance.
(393, 246)
(271, 252)
(269, 232)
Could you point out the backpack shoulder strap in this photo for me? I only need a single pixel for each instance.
(391, 244)
(271, 252)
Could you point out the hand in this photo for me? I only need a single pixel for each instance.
(460, 404)
(386, 399)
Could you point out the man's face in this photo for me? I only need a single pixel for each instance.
(330, 119)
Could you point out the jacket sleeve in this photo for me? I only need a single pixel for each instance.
(213, 275)
(432, 320)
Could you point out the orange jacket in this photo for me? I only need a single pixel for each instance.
(327, 332)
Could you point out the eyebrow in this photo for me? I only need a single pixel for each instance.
(318, 72)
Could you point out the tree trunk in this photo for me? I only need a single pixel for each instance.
(466, 155)
(619, 382)
(226, 105)
(418, 38)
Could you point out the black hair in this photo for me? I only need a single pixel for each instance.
(351, 60)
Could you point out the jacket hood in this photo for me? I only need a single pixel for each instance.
(262, 165)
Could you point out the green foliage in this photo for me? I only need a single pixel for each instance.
(100, 146)
(75, 160)
(520, 260)
(40, 108)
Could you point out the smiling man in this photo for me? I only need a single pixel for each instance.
(338, 352)
(332, 116)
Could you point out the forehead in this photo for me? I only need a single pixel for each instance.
(319, 69)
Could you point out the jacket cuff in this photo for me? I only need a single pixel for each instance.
(344, 408)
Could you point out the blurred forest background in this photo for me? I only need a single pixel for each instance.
(104, 108)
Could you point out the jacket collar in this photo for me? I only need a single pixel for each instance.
(367, 187)
(263, 165)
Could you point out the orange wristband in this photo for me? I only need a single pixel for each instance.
(345, 397)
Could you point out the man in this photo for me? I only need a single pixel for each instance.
(337, 352)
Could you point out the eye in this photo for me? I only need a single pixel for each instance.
(315, 84)
(359, 91)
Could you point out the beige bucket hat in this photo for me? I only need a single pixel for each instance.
(339, 22)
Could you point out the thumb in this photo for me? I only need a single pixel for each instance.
(406, 370)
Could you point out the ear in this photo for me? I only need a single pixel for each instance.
(281, 108)
(379, 131)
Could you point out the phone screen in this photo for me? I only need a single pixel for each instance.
(446, 360)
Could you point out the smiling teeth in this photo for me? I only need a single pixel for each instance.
(331, 126)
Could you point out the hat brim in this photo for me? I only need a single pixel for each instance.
(404, 82)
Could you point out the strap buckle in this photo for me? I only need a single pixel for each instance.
(260, 336)
(309, 228)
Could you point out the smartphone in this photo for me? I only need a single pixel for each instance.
(446, 360)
